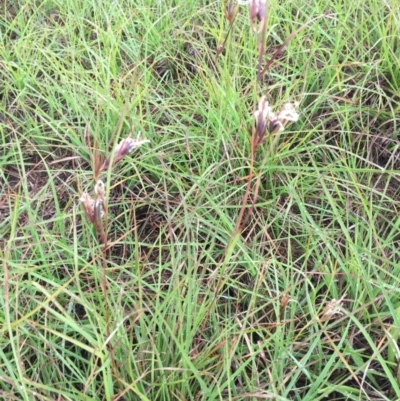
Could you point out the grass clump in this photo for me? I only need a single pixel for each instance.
(237, 260)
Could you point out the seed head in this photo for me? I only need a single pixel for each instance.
(285, 115)
(257, 12)
(88, 207)
(262, 115)
(334, 307)
(266, 119)
(123, 149)
(230, 12)
(99, 190)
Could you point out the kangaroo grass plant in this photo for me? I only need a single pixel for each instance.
(95, 208)
(252, 254)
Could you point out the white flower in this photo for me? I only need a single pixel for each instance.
(88, 204)
(266, 119)
(99, 189)
(264, 111)
(334, 307)
(288, 113)
(285, 115)
(128, 144)
(122, 149)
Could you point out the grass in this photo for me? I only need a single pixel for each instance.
(302, 304)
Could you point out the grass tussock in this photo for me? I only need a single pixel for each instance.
(249, 251)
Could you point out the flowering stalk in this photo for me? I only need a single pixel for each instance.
(230, 14)
(273, 123)
(258, 14)
(96, 208)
